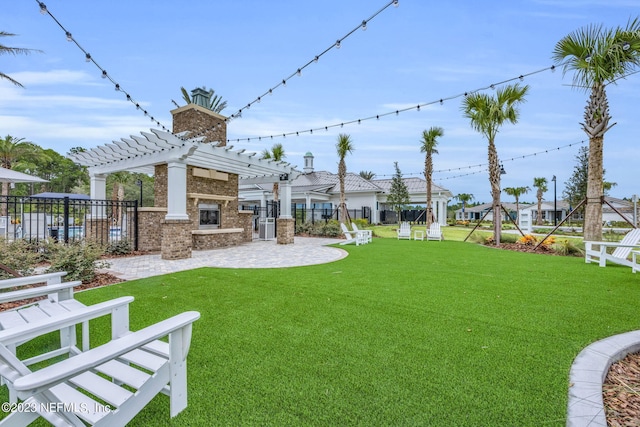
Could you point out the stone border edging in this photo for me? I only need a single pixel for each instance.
(588, 372)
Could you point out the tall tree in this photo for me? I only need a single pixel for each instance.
(216, 104)
(14, 150)
(487, 115)
(428, 146)
(464, 198)
(517, 192)
(598, 56)
(6, 50)
(541, 187)
(344, 146)
(276, 154)
(398, 196)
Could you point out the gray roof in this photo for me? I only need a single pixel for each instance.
(329, 181)
(414, 185)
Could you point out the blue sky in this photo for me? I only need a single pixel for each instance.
(419, 52)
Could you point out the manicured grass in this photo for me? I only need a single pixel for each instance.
(397, 333)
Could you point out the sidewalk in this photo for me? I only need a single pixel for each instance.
(257, 254)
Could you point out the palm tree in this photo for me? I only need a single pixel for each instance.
(12, 51)
(487, 114)
(276, 154)
(344, 146)
(12, 151)
(517, 192)
(428, 146)
(216, 104)
(541, 185)
(464, 198)
(368, 175)
(598, 56)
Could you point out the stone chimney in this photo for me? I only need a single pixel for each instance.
(308, 162)
(199, 120)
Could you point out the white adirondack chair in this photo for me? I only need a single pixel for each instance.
(367, 234)
(434, 232)
(63, 321)
(404, 232)
(352, 237)
(619, 255)
(95, 387)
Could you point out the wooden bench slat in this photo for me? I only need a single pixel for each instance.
(102, 388)
(144, 359)
(66, 393)
(124, 373)
(10, 319)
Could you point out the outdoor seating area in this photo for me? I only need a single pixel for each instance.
(359, 237)
(100, 385)
(620, 254)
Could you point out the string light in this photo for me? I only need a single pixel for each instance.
(298, 72)
(397, 112)
(88, 58)
(486, 164)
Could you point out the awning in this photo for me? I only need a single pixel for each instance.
(8, 175)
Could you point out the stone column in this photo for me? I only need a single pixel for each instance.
(176, 239)
(286, 231)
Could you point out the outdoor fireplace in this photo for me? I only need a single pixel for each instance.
(209, 215)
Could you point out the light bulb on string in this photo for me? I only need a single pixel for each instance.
(69, 36)
(316, 59)
(337, 44)
(299, 72)
(395, 3)
(117, 87)
(104, 74)
(364, 25)
(43, 8)
(626, 46)
(87, 57)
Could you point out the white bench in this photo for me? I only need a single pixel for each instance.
(107, 385)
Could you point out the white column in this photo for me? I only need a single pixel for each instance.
(308, 205)
(263, 205)
(285, 199)
(98, 191)
(176, 191)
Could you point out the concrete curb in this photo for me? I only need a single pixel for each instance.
(588, 372)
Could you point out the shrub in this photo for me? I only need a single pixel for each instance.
(528, 240)
(120, 247)
(19, 256)
(568, 247)
(508, 238)
(361, 223)
(331, 229)
(78, 259)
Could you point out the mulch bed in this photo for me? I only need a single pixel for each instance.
(621, 392)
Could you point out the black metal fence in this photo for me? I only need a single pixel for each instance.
(415, 216)
(68, 219)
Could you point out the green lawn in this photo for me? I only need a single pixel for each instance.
(397, 333)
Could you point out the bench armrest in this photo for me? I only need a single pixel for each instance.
(50, 278)
(21, 294)
(36, 329)
(47, 377)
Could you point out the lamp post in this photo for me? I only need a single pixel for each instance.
(555, 202)
(139, 184)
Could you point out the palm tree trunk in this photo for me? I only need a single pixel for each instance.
(593, 209)
(539, 216)
(494, 180)
(596, 123)
(342, 172)
(428, 174)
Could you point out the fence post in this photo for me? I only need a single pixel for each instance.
(65, 216)
(135, 225)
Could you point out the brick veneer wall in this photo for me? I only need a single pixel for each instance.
(150, 228)
(176, 239)
(197, 120)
